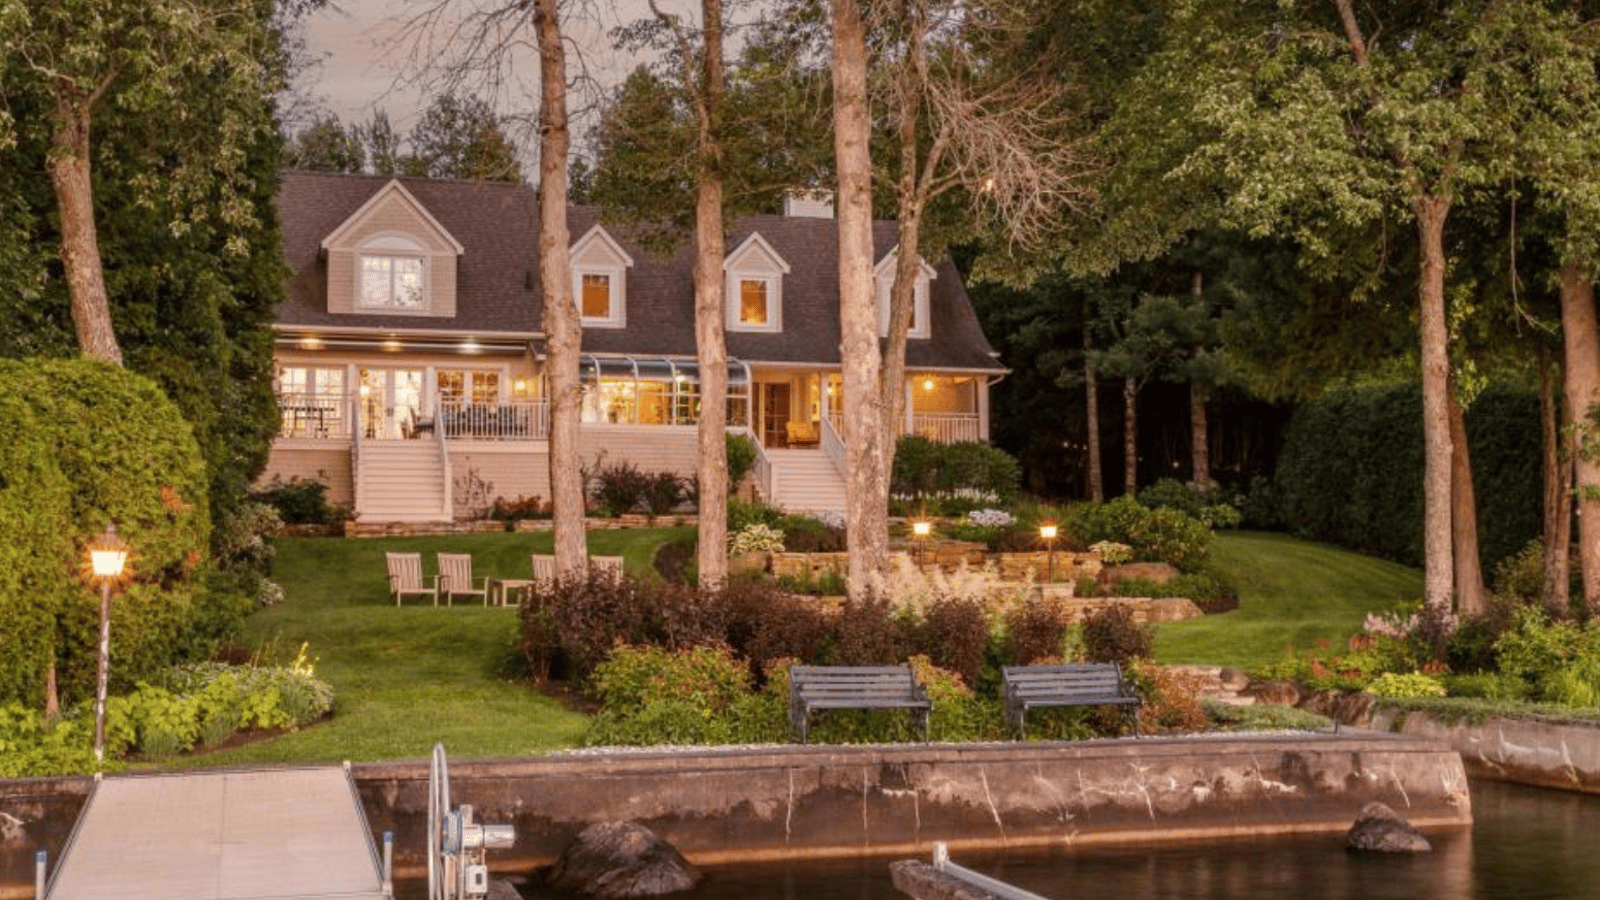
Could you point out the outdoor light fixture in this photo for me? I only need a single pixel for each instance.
(107, 554)
(927, 384)
(1048, 532)
(921, 530)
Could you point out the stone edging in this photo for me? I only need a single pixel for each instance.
(1540, 752)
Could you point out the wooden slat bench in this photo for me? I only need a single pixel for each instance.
(1074, 684)
(813, 688)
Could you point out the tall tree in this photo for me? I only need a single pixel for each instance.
(71, 60)
(866, 487)
(326, 146)
(383, 145)
(461, 137)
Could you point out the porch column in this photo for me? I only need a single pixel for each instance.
(430, 387)
(981, 386)
(909, 425)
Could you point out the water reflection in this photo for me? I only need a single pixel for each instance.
(1527, 844)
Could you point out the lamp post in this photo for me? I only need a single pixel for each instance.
(1048, 532)
(921, 530)
(107, 553)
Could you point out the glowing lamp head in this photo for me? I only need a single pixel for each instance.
(1048, 532)
(921, 529)
(108, 553)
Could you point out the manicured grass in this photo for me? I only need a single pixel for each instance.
(1291, 593)
(405, 678)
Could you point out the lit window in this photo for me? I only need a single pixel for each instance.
(753, 301)
(392, 282)
(596, 296)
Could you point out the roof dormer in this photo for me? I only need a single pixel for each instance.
(754, 286)
(392, 257)
(600, 279)
(883, 281)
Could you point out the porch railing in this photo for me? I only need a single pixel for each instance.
(314, 415)
(946, 428)
(517, 420)
(762, 471)
(833, 445)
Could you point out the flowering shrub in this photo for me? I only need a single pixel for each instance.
(756, 538)
(990, 518)
(1112, 553)
(912, 590)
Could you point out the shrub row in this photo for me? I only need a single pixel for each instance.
(969, 473)
(1351, 471)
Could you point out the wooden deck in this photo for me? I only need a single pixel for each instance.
(243, 835)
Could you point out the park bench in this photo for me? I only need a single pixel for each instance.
(1073, 684)
(814, 688)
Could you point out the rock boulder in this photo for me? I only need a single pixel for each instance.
(622, 859)
(1382, 829)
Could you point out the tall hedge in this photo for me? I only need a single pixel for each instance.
(1350, 471)
(91, 443)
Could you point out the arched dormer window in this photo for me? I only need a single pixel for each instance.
(754, 286)
(392, 274)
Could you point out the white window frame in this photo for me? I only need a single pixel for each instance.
(883, 279)
(392, 247)
(753, 260)
(617, 316)
(613, 264)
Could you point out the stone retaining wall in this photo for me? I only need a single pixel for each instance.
(790, 801)
(1563, 754)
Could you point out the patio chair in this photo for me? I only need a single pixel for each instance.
(802, 434)
(607, 565)
(455, 578)
(405, 577)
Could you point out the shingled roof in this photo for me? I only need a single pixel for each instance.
(497, 283)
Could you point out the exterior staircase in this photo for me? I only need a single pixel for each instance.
(805, 481)
(401, 481)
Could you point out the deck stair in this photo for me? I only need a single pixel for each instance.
(401, 481)
(805, 481)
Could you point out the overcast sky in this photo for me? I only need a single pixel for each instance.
(362, 66)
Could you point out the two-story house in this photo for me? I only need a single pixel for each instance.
(410, 352)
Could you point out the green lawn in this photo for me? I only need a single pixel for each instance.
(1291, 592)
(405, 678)
(408, 677)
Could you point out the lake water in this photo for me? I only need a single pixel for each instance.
(1527, 844)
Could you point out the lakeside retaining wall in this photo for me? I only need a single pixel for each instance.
(719, 805)
(1553, 753)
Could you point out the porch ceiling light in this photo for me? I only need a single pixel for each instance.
(927, 384)
(311, 342)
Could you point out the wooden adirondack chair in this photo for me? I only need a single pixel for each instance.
(455, 578)
(405, 578)
(544, 568)
(607, 565)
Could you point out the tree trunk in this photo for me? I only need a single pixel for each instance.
(1464, 516)
(1581, 339)
(73, 182)
(1557, 494)
(1130, 436)
(1438, 563)
(910, 203)
(711, 351)
(1198, 427)
(865, 487)
(1097, 482)
(560, 315)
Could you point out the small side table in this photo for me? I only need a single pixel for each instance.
(499, 589)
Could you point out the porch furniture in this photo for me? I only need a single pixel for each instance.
(405, 577)
(814, 688)
(1073, 684)
(455, 578)
(607, 565)
(803, 433)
